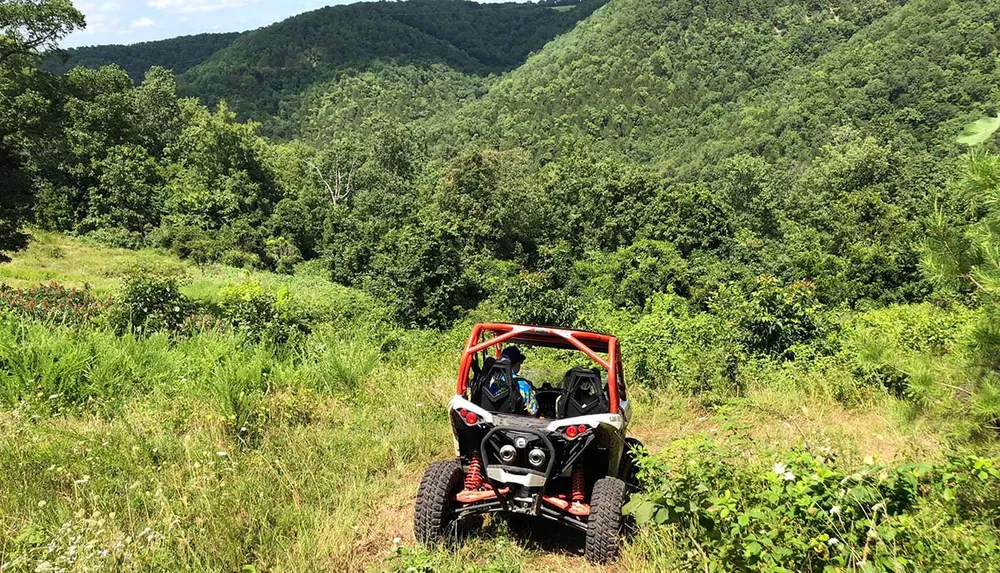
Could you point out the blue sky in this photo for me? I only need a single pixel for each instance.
(131, 21)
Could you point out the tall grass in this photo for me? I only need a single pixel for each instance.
(211, 452)
(231, 455)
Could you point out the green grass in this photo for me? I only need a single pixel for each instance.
(209, 454)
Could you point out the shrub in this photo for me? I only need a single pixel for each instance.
(671, 346)
(802, 512)
(52, 303)
(770, 318)
(240, 259)
(315, 268)
(535, 298)
(260, 315)
(283, 254)
(631, 276)
(118, 238)
(148, 303)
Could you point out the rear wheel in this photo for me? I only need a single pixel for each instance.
(433, 517)
(604, 527)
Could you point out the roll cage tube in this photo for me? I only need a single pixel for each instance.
(554, 337)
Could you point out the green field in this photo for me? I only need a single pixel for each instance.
(206, 452)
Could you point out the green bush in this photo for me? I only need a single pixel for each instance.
(631, 276)
(147, 303)
(118, 238)
(283, 254)
(535, 298)
(187, 242)
(673, 347)
(259, 315)
(800, 511)
(771, 318)
(240, 259)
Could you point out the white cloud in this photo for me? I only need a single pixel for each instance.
(143, 23)
(188, 6)
(102, 7)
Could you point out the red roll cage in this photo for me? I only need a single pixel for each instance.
(590, 343)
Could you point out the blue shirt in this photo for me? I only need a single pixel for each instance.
(525, 389)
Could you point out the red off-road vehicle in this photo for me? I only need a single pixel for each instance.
(570, 462)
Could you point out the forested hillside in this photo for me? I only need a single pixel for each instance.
(176, 54)
(786, 210)
(275, 74)
(804, 142)
(265, 72)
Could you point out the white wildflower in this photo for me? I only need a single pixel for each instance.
(222, 454)
(835, 510)
(833, 541)
(779, 468)
(789, 476)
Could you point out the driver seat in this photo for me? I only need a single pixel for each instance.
(583, 395)
(503, 397)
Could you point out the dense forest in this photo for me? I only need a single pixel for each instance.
(743, 191)
(266, 74)
(175, 54)
(710, 143)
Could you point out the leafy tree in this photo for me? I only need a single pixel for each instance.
(219, 174)
(631, 276)
(26, 27)
(418, 272)
(31, 26)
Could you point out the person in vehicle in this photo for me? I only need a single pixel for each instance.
(516, 358)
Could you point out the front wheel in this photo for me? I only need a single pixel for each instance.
(433, 517)
(604, 527)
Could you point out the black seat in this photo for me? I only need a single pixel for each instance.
(502, 396)
(583, 395)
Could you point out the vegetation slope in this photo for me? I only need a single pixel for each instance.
(175, 54)
(765, 201)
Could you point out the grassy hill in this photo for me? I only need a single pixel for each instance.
(207, 450)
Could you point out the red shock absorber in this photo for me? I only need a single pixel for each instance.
(474, 479)
(579, 484)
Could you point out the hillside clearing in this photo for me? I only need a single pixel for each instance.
(330, 483)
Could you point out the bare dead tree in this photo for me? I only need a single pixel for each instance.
(339, 185)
